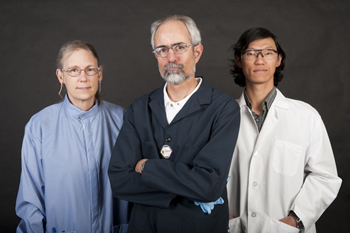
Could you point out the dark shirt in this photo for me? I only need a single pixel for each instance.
(259, 119)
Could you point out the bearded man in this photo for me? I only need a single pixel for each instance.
(173, 152)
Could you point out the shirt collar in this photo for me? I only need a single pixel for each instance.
(78, 113)
(182, 102)
(268, 101)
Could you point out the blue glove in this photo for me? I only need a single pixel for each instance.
(207, 207)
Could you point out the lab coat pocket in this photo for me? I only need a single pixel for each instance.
(235, 225)
(286, 157)
(276, 226)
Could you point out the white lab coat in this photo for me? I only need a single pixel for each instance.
(288, 166)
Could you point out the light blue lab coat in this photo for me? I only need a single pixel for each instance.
(64, 183)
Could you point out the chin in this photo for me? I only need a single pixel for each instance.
(175, 78)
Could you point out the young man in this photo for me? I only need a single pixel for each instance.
(283, 174)
(173, 153)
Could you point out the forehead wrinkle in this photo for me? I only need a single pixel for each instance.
(172, 45)
(170, 30)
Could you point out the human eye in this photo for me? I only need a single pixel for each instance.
(92, 70)
(269, 52)
(180, 46)
(73, 71)
(161, 51)
(250, 53)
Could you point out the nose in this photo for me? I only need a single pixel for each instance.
(260, 52)
(259, 59)
(171, 56)
(82, 76)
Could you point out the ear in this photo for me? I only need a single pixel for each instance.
(279, 60)
(238, 62)
(100, 74)
(198, 51)
(59, 75)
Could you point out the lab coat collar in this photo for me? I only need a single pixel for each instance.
(201, 97)
(280, 101)
(279, 104)
(75, 112)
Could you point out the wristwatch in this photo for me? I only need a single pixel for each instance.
(143, 166)
(297, 219)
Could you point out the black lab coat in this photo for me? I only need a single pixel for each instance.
(202, 137)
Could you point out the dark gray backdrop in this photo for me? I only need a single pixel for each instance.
(314, 34)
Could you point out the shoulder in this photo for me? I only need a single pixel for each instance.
(44, 119)
(302, 107)
(113, 108)
(223, 99)
(299, 111)
(217, 97)
(46, 114)
(222, 96)
(143, 101)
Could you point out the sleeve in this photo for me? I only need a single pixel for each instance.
(322, 183)
(30, 206)
(126, 184)
(206, 180)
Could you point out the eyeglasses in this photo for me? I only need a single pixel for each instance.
(177, 48)
(75, 71)
(252, 54)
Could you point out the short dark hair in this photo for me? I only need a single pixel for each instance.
(242, 44)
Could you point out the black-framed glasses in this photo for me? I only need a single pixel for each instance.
(252, 54)
(177, 48)
(75, 71)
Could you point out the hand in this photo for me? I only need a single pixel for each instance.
(138, 165)
(230, 217)
(207, 207)
(290, 221)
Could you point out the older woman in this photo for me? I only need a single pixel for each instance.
(66, 150)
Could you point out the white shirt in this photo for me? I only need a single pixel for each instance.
(172, 108)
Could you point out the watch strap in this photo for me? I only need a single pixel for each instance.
(297, 219)
(142, 166)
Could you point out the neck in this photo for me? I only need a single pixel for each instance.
(177, 92)
(257, 95)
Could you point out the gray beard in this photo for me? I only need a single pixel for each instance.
(174, 77)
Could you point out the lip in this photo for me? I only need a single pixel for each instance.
(83, 88)
(173, 68)
(260, 70)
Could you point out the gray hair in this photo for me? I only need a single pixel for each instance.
(195, 35)
(70, 46)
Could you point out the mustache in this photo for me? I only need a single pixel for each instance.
(173, 65)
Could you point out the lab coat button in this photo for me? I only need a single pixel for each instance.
(253, 215)
(256, 153)
(168, 139)
(255, 184)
